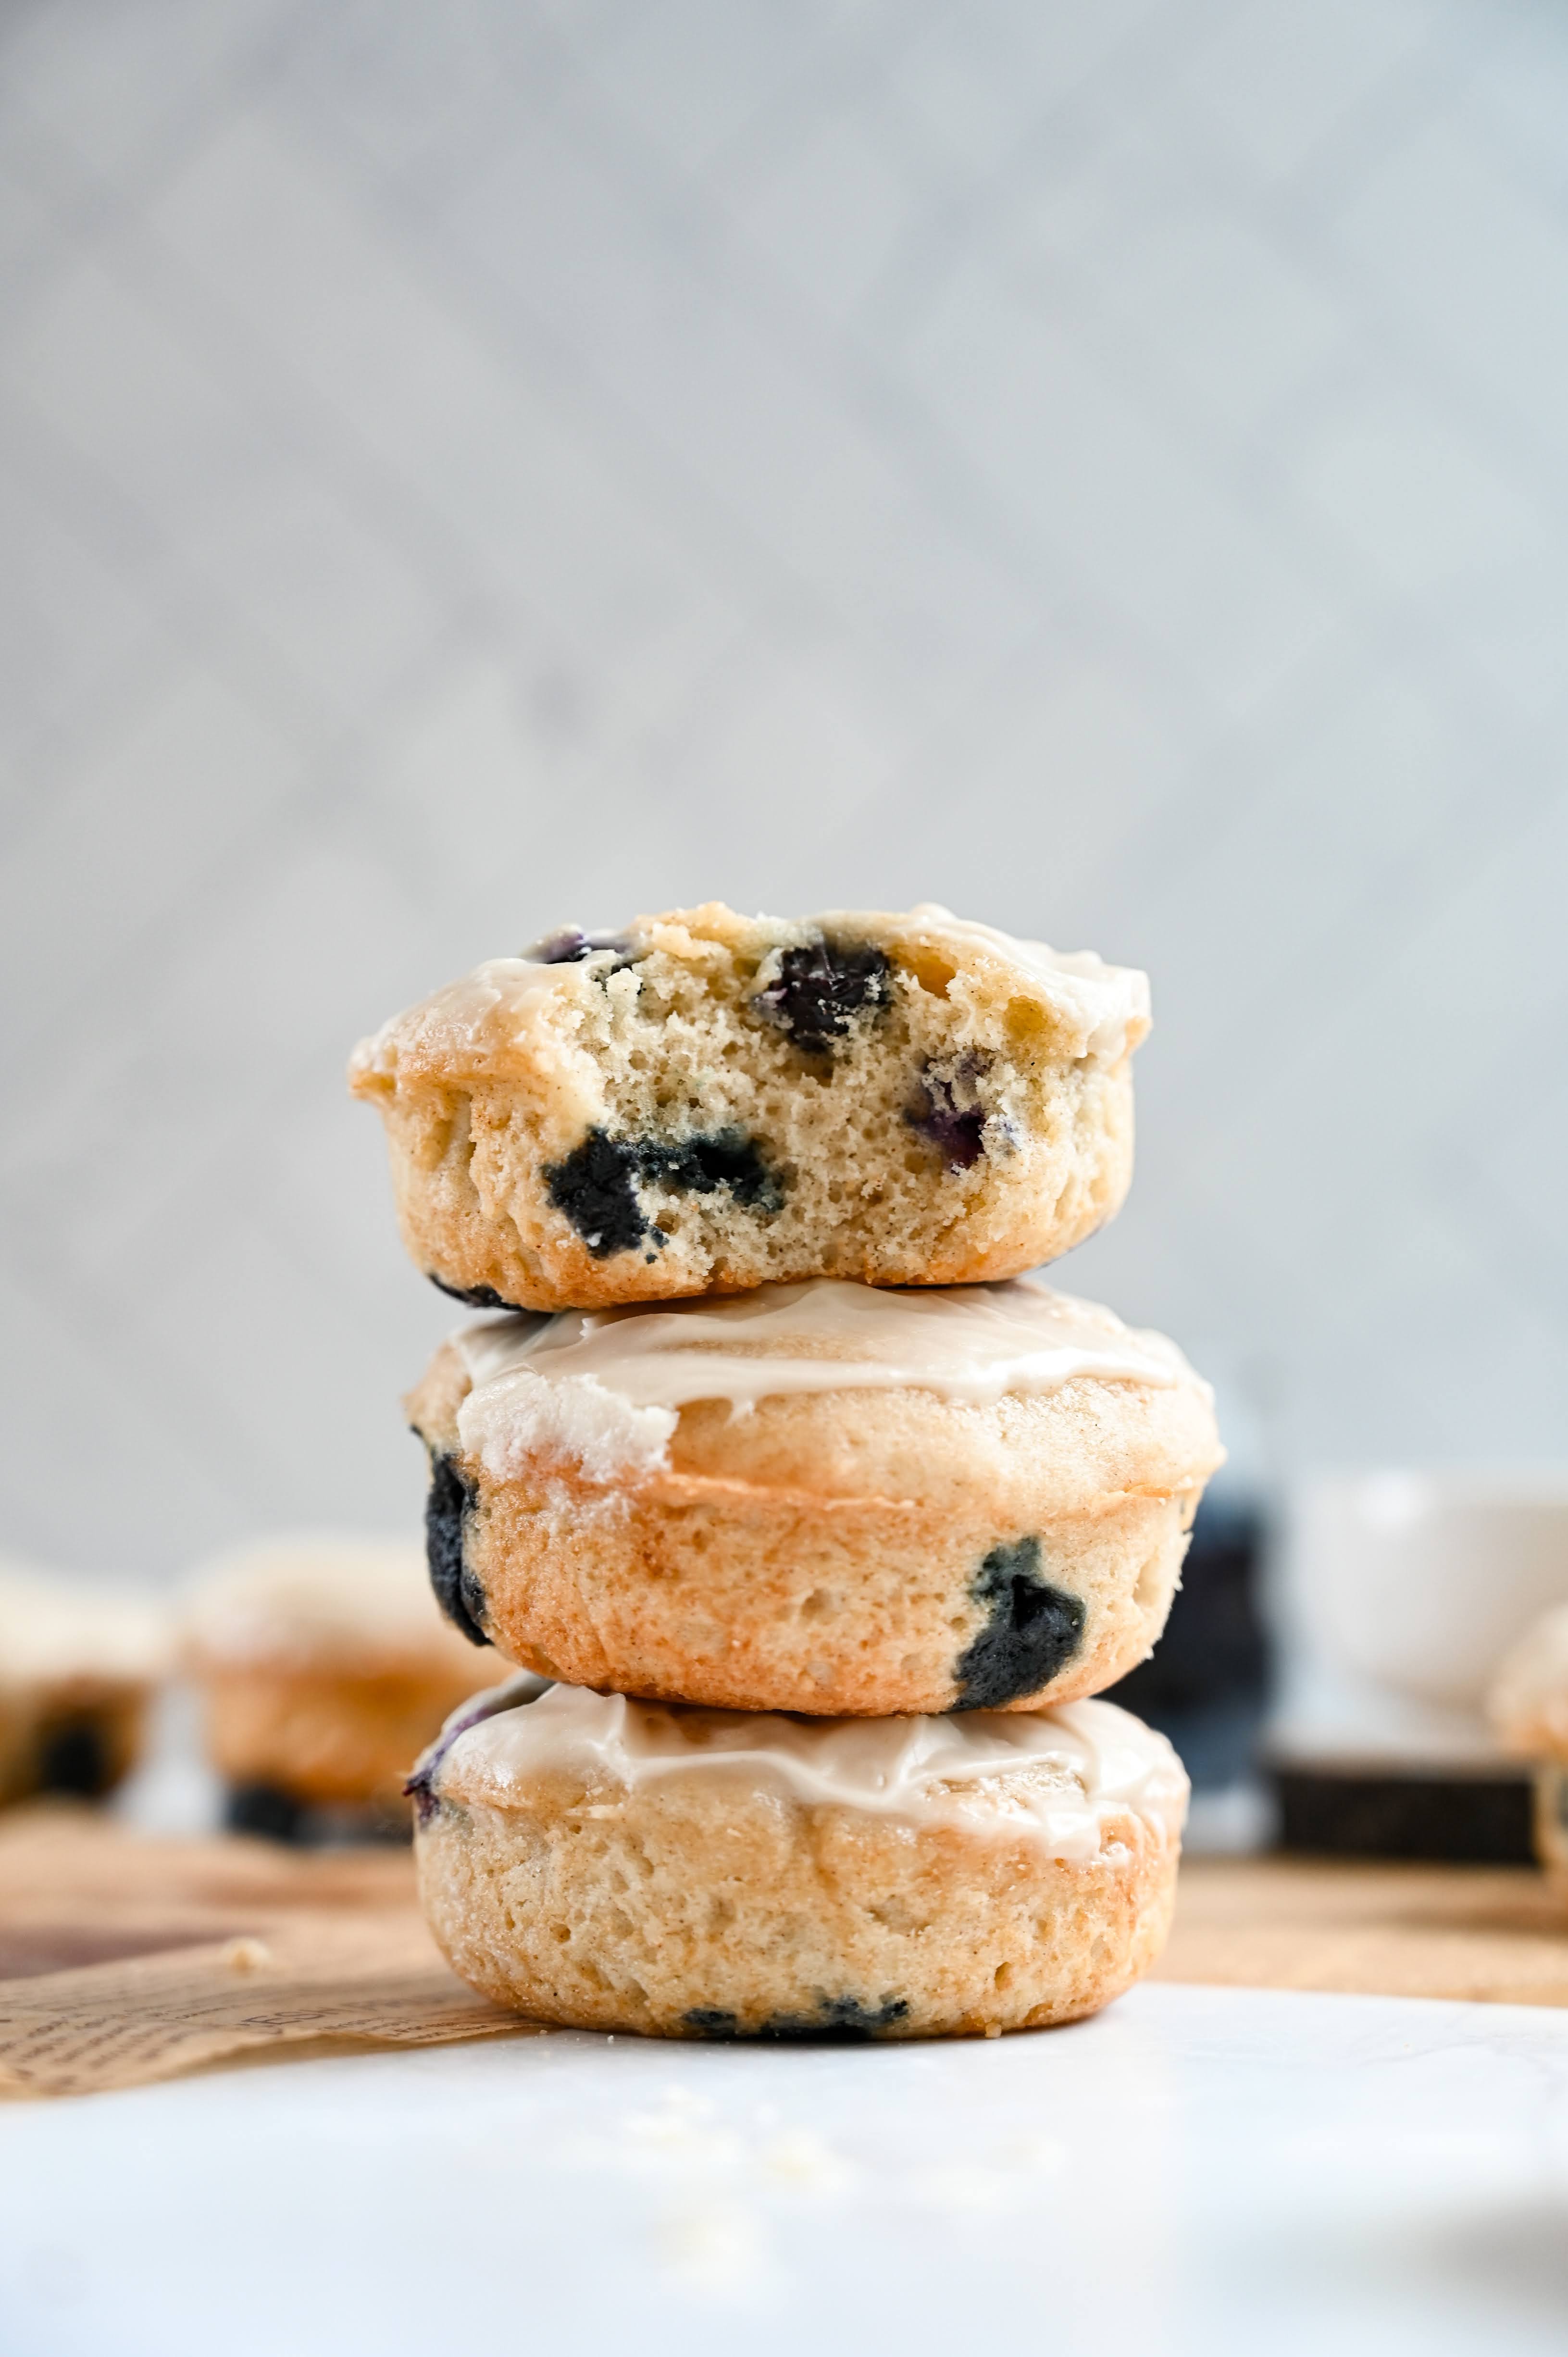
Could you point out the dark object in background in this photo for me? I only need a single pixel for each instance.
(1206, 1684)
(74, 1757)
(263, 1809)
(1481, 1816)
(275, 1816)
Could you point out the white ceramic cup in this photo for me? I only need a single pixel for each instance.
(1420, 1581)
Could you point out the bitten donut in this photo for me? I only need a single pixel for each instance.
(706, 1102)
(78, 1667)
(619, 1865)
(1528, 1706)
(822, 1498)
(326, 1669)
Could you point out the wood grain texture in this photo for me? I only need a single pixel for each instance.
(124, 1961)
(1497, 1935)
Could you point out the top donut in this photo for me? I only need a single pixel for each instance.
(705, 1103)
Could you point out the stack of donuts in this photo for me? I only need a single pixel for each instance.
(811, 1518)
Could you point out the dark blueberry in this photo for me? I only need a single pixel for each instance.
(74, 1757)
(821, 991)
(263, 1809)
(701, 1165)
(837, 2021)
(421, 1790)
(451, 1497)
(1033, 1631)
(570, 946)
(956, 1131)
(595, 1187)
(477, 1296)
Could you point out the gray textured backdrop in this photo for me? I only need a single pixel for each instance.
(468, 467)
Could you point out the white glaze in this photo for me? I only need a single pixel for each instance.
(327, 1601)
(604, 1385)
(1056, 1775)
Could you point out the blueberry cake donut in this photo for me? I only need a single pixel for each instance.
(616, 1865)
(1528, 1706)
(707, 1103)
(326, 1669)
(822, 1497)
(79, 1668)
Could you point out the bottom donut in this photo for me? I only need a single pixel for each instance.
(608, 1863)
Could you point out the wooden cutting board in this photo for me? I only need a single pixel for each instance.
(124, 1961)
(1498, 1934)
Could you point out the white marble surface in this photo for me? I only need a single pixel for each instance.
(1199, 2171)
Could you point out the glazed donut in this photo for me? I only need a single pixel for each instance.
(821, 1497)
(617, 1865)
(325, 1670)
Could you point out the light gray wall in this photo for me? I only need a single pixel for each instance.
(475, 466)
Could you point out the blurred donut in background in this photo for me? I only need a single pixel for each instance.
(326, 1668)
(79, 1668)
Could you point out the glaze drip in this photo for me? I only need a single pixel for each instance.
(1056, 1776)
(605, 1386)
